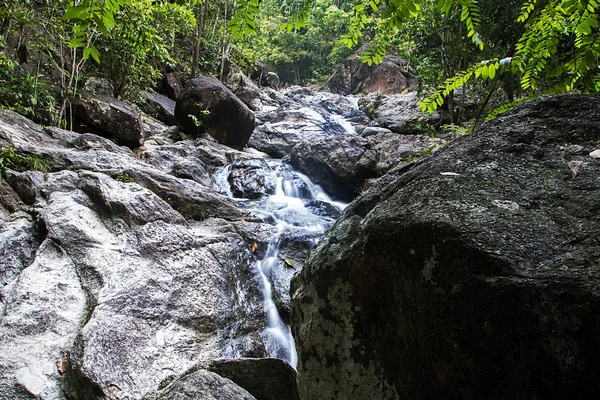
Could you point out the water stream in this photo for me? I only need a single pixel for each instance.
(296, 207)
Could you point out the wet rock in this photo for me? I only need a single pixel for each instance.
(251, 179)
(281, 129)
(228, 120)
(115, 118)
(484, 261)
(161, 107)
(201, 385)
(338, 164)
(265, 378)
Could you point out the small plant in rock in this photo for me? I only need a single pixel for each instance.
(420, 153)
(198, 119)
(124, 177)
(21, 162)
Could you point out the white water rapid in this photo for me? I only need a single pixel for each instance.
(297, 208)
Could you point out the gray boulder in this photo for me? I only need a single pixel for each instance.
(201, 385)
(228, 120)
(271, 80)
(160, 106)
(399, 113)
(115, 118)
(264, 378)
(339, 164)
(473, 273)
(171, 85)
(350, 76)
(243, 87)
(389, 77)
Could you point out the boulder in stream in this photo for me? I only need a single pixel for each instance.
(472, 273)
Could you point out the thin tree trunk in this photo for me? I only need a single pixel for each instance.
(198, 34)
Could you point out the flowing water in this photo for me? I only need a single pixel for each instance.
(297, 208)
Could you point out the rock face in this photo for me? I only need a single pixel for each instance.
(473, 273)
(229, 120)
(115, 118)
(115, 268)
(389, 77)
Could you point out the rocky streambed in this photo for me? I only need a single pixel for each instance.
(129, 275)
(165, 271)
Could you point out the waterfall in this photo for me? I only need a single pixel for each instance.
(291, 201)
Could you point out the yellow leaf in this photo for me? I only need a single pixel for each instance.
(289, 262)
(253, 248)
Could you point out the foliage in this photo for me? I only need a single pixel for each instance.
(23, 93)
(21, 162)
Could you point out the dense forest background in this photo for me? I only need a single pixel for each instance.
(461, 50)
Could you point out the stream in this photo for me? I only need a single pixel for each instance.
(286, 199)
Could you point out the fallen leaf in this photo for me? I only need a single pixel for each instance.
(61, 364)
(289, 262)
(253, 248)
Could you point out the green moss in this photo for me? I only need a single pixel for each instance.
(124, 177)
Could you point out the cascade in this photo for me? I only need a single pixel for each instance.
(296, 206)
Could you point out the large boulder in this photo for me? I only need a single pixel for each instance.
(115, 118)
(264, 378)
(399, 113)
(473, 273)
(207, 106)
(201, 385)
(350, 76)
(243, 87)
(388, 77)
(339, 164)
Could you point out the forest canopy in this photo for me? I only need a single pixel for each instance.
(520, 48)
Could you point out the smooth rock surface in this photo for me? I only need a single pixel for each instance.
(201, 385)
(473, 273)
